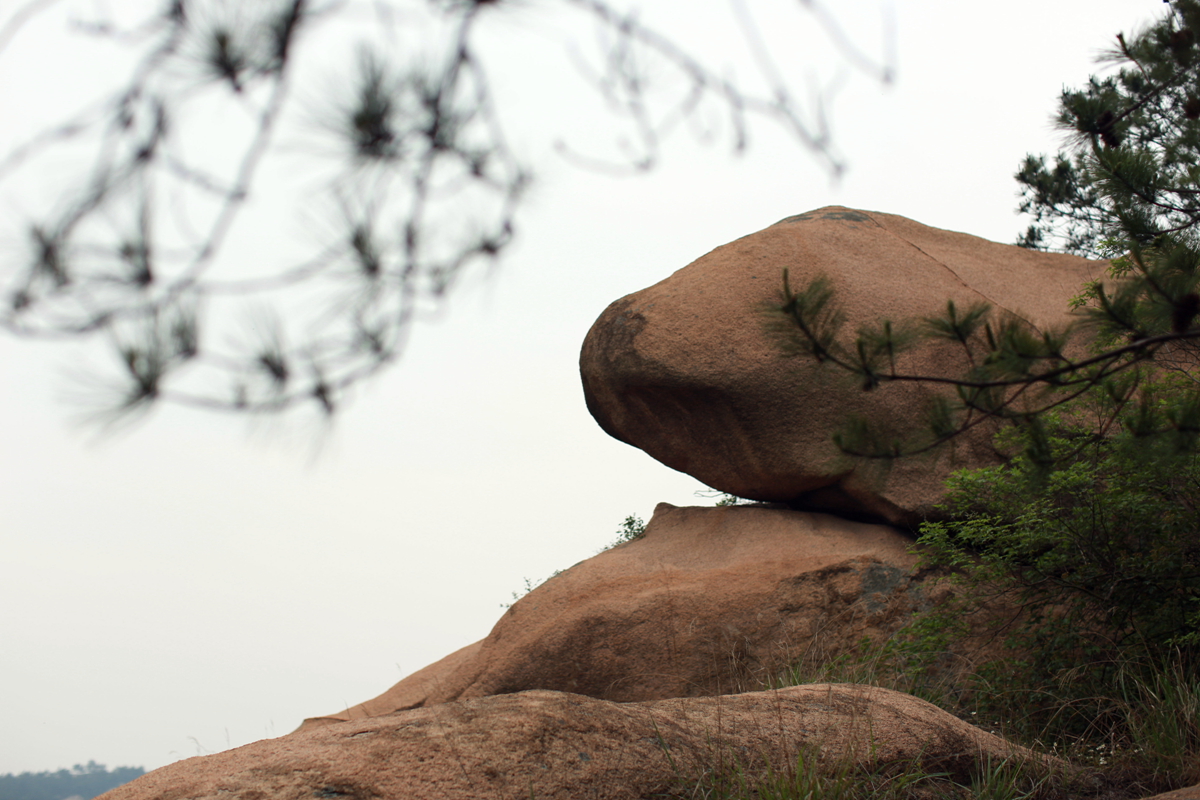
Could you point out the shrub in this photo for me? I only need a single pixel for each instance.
(1097, 539)
(632, 528)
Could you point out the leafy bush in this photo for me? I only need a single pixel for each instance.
(1096, 538)
(632, 528)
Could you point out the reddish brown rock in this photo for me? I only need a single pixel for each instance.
(709, 601)
(685, 371)
(557, 745)
(1190, 793)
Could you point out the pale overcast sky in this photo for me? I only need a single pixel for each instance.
(197, 583)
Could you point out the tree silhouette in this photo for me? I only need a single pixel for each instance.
(416, 173)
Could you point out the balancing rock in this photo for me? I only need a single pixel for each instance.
(686, 370)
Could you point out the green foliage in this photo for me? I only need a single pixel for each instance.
(807, 778)
(1091, 530)
(1098, 537)
(813, 313)
(814, 777)
(1007, 780)
(1095, 539)
(1088, 541)
(1134, 734)
(1129, 172)
(1013, 371)
(1124, 188)
(83, 780)
(530, 585)
(1080, 558)
(1162, 714)
(632, 528)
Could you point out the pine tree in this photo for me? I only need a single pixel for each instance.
(1126, 188)
(1089, 526)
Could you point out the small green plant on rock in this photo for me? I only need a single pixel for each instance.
(530, 585)
(631, 529)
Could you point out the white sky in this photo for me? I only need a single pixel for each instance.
(198, 583)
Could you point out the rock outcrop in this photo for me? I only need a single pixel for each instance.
(685, 371)
(708, 601)
(627, 675)
(557, 745)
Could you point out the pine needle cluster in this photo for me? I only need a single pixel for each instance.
(1125, 188)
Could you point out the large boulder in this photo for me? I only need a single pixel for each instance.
(685, 370)
(707, 602)
(557, 745)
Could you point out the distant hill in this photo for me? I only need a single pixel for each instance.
(81, 782)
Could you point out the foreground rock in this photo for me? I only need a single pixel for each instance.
(685, 371)
(556, 745)
(1190, 793)
(709, 601)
